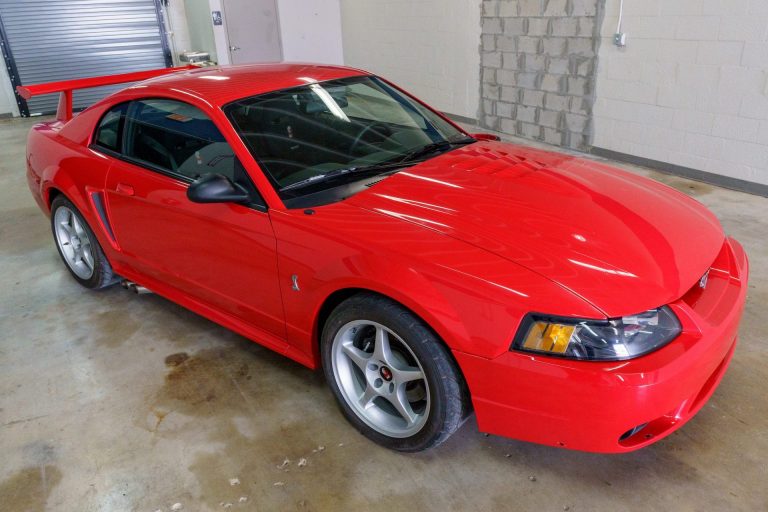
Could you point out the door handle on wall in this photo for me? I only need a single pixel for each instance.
(122, 188)
(234, 48)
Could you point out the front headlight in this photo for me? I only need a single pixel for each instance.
(598, 340)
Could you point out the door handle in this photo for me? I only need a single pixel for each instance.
(234, 48)
(122, 188)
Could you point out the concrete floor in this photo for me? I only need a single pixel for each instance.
(112, 401)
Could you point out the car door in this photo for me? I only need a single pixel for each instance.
(221, 254)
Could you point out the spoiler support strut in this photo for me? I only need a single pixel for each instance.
(66, 87)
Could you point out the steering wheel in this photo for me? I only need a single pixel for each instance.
(161, 150)
(370, 128)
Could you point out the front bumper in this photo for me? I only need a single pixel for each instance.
(597, 407)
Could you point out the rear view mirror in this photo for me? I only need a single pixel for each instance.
(216, 188)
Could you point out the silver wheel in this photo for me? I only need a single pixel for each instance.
(380, 378)
(74, 242)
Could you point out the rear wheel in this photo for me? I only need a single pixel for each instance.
(78, 247)
(393, 379)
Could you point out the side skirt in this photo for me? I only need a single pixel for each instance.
(232, 323)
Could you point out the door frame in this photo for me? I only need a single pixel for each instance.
(226, 31)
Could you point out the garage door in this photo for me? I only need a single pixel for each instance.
(51, 40)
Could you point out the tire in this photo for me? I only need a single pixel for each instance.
(78, 247)
(409, 398)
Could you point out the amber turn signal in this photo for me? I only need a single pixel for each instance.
(546, 337)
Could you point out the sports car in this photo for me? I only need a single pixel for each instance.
(329, 215)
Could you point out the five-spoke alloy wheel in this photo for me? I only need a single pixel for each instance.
(78, 246)
(392, 377)
(380, 378)
(73, 241)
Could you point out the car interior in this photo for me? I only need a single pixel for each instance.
(293, 135)
(300, 135)
(173, 136)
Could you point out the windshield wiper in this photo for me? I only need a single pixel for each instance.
(336, 173)
(407, 159)
(434, 146)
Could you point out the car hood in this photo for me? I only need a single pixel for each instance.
(622, 242)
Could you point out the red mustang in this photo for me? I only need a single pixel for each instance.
(330, 216)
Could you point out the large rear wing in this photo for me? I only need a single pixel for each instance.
(65, 87)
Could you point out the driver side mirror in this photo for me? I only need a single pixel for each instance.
(216, 188)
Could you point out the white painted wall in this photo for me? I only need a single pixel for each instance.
(690, 88)
(177, 27)
(7, 98)
(200, 26)
(429, 47)
(310, 31)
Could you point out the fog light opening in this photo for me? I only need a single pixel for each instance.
(629, 433)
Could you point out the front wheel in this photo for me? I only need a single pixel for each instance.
(393, 379)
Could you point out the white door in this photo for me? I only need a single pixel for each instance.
(253, 31)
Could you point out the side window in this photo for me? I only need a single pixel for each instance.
(179, 138)
(109, 133)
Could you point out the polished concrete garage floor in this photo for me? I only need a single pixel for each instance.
(114, 402)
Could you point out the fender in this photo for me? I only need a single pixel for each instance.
(440, 315)
(92, 169)
(472, 298)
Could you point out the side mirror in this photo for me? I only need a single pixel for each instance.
(216, 188)
(485, 136)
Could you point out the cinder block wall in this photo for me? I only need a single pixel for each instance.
(538, 61)
(691, 87)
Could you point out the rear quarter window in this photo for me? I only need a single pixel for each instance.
(109, 131)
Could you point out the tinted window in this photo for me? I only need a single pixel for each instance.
(178, 138)
(109, 133)
(305, 132)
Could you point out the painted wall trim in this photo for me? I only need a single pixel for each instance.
(719, 180)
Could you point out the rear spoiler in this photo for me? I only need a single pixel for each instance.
(64, 112)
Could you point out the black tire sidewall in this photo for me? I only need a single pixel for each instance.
(102, 271)
(446, 407)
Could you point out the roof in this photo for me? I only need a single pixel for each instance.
(223, 84)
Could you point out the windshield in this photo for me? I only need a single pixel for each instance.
(322, 135)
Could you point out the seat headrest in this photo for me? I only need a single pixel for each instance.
(311, 104)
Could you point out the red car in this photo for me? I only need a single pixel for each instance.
(330, 216)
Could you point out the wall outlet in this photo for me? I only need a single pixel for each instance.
(620, 39)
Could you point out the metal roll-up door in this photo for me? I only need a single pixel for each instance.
(52, 40)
